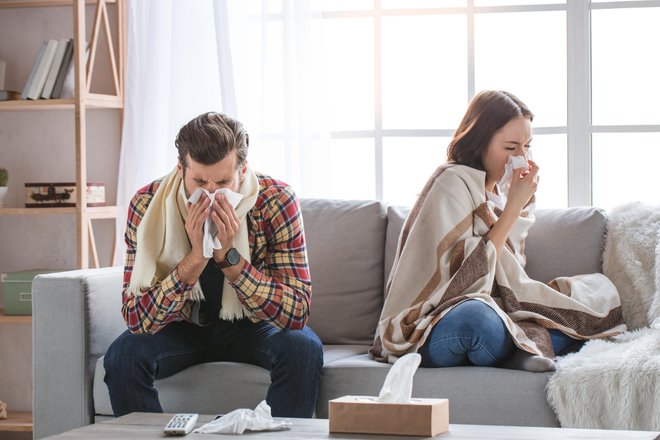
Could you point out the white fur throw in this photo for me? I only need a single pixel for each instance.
(631, 261)
(616, 384)
(610, 384)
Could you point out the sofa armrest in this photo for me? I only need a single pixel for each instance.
(76, 316)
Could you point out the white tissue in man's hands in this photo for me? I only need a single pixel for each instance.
(241, 420)
(398, 384)
(210, 241)
(233, 197)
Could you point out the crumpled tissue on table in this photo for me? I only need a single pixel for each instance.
(241, 420)
(210, 229)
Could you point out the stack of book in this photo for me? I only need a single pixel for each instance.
(50, 70)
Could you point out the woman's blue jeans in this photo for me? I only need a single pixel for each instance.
(473, 334)
(294, 358)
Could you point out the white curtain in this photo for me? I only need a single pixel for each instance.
(256, 60)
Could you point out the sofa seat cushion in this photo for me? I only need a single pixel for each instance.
(477, 395)
(206, 382)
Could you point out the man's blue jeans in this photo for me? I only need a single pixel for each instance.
(473, 334)
(293, 357)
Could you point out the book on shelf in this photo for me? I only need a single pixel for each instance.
(64, 68)
(9, 95)
(33, 72)
(54, 68)
(42, 71)
(3, 70)
(69, 85)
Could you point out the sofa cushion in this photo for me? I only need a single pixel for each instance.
(246, 384)
(565, 242)
(396, 216)
(469, 389)
(345, 247)
(199, 388)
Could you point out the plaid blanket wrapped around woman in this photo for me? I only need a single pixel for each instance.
(444, 258)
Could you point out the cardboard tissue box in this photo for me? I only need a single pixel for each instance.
(393, 412)
(363, 415)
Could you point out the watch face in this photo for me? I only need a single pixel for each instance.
(232, 257)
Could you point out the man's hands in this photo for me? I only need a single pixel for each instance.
(197, 214)
(226, 220)
(192, 266)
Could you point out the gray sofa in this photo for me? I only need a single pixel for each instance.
(351, 245)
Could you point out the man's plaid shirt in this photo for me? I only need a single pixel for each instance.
(276, 286)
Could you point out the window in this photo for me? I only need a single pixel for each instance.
(398, 76)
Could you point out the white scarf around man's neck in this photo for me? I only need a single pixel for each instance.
(158, 252)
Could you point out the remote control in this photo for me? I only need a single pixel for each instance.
(181, 424)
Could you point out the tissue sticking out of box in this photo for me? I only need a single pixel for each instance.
(398, 384)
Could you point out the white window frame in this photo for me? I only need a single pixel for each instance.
(578, 129)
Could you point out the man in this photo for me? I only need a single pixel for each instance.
(241, 293)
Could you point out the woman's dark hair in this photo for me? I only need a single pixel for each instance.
(488, 112)
(210, 137)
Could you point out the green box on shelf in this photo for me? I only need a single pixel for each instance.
(17, 290)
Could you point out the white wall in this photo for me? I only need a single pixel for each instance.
(40, 147)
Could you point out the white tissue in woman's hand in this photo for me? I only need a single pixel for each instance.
(398, 384)
(514, 163)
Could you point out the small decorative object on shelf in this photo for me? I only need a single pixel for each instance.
(3, 410)
(59, 195)
(4, 178)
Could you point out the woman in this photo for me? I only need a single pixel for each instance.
(458, 293)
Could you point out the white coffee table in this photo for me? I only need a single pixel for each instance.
(144, 426)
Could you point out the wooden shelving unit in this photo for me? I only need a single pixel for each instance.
(83, 100)
(18, 421)
(16, 319)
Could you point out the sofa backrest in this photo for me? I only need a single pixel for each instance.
(345, 248)
(562, 242)
(566, 242)
(351, 247)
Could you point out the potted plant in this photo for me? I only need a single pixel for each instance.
(4, 177)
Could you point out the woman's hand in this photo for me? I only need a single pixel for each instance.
(523, 186)
(225, 218)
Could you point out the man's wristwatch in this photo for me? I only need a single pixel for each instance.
(232, 257)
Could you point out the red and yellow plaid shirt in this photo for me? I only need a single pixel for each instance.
(276, 286)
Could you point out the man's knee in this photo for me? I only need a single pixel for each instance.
(301, 346)
(124, 351)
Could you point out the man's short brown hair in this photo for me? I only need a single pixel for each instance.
(210, 137)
